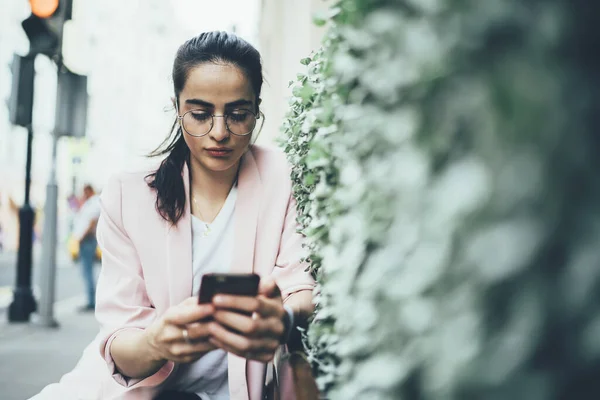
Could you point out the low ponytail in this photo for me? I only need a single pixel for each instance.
(167, 180)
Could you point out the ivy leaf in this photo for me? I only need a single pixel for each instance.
(309, 179)
(304, 92)
(319, 20)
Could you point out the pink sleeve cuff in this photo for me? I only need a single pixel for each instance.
(287, 292)
(153, 380)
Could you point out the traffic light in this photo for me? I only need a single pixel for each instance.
(20, 103)
(72, 101)
(44, 26)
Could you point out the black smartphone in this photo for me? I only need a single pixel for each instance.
(236, 284)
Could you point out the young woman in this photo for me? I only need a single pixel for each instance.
(217, 203)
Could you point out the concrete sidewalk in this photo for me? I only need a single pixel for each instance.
(33, 356)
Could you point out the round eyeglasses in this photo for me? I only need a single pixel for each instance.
(197, 123)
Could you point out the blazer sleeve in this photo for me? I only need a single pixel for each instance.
(290, 271)
(121, 298)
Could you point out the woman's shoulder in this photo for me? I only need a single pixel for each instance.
(274, 171)
(127, 183)
(270, 159)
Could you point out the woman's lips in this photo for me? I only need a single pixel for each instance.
(215, 152)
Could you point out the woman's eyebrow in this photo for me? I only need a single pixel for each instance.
(232, 104)
(198, 102)
(238, 103)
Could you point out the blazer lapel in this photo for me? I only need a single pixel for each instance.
(246, 221)
(179, 250)
(246, 215)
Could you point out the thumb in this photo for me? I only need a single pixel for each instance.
(268, 287)
(190, 301)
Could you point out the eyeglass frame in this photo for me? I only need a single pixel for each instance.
(180, 120)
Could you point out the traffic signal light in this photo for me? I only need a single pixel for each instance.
(20, 103)
(71, 107)
(44, 26)
(44, 8)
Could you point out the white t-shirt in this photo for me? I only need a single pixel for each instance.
(207, 377)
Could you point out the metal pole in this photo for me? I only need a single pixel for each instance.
(49, 244)
(23, 303)
(48, 265)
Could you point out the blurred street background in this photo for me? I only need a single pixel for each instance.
(37, 355)
(125, 49)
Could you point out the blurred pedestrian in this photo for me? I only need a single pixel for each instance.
(84, 233)
(73, 203)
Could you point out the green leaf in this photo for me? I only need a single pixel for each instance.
(319, 20)
(309, 179)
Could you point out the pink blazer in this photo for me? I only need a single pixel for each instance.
(147, 268)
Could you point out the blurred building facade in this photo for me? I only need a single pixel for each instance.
(287, 34)
(126, 48)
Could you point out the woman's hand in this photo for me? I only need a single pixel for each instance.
(250, 327)
(178, 335)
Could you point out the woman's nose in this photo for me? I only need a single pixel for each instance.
(219, 131)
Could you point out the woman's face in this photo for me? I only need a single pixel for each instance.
(216, 89)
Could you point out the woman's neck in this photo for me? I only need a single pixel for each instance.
(213, 186)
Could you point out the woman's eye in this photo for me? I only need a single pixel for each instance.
(239, 116)
(200, 116)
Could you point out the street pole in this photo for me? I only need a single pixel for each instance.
(49, 244)
(23, 303)
(48, 265)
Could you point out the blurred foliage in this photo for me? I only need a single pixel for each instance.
(445, 164)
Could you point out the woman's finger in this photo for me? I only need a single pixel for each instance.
(171, 334)
(270, 307)
(241, 344)
(190, 301)
(251, 327)
(243, 304)
(238, 322)
(188, 313)
(185, 352)
(197, 331)
(274, 328)
(262, 356)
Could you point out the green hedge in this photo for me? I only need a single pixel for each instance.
(441, 150)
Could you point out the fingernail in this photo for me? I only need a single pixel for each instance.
(218, 300)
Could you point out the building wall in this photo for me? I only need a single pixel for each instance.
(287, 35)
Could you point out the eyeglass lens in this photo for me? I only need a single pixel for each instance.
(200, 122)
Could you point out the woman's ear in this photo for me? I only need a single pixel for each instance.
(258, 105)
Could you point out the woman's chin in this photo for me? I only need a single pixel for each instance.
(219, 164)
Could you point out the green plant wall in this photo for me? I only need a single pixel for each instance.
(444, 162)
